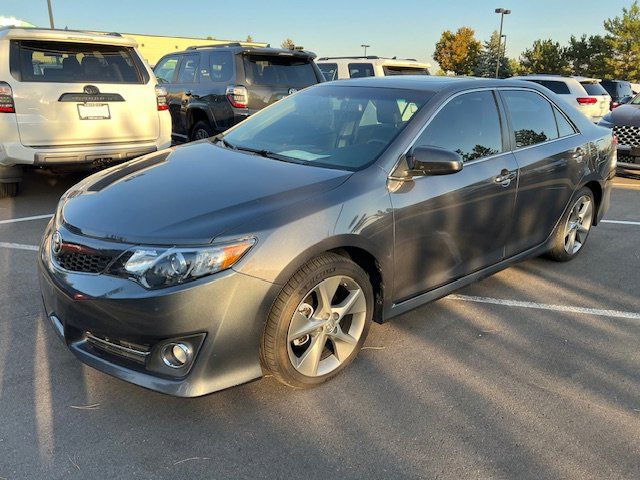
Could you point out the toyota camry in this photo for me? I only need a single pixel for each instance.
(272, 247)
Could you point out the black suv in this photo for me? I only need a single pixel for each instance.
(619, 90)
(211, 88)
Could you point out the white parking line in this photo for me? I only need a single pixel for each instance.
(19, 246)
(621, 222)
(544, 306)
(25, 219)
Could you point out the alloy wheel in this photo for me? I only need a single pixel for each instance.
(327, 325)
(578, 225)
(200, 134)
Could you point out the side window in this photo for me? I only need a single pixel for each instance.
(188, 69)
(329, 71)
(564, 126)
(219, 68)
(468, 125)
(359, 70)
(165, 69)
(532, 117)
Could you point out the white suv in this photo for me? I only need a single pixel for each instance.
(339, 68)
(582, 92)
(75, 98)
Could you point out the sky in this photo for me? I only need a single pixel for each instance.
(403, 28)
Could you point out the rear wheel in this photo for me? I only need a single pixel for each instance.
(319, 322)
(8, 189)
(573, 230)
(201, 130)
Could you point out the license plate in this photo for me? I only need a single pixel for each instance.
(93, 111)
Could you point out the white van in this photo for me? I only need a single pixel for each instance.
(75, 98)
(339, 68)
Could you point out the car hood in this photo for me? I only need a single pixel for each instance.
(626, 115)
(188, 195)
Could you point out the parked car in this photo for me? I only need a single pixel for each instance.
(271, 248)
(339, 68)
(211, 88)
(625, 123)
(70, 98)
(619, 90)
(584, 93)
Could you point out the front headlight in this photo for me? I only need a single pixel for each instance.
(165, 267)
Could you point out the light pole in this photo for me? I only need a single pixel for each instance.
(50, 14)
(365, 48)
(502, 13)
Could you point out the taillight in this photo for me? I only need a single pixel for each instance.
(587, 100)
(238, 96)
(613, 105)
(6, 99)
(161, 98)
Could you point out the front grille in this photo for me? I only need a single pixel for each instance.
(121, 348)
(83, 262)
(627, 135)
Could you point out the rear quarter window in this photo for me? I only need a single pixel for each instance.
(594, 88)
(329, 71)
(278, 70)
(70, 62)
(219, 67)
(359, 70)
(555, 86)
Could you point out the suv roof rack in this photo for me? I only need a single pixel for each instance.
(228, 44)
(93, 32)
(368, 57)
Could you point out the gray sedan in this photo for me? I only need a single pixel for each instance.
(271, 248)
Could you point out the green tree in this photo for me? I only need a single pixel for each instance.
(288, 44)
(623, 39)
(588, 56)
(457, 52)
(545, 56)
(487, 58)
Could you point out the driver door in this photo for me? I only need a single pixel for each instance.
(452, 225)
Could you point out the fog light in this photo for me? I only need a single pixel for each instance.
(176, 355)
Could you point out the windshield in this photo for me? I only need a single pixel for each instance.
(338, 127)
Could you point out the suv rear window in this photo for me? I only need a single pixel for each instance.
(555, 86)
(277, 70)
(594, 88)
(69, 62)
(392, 70)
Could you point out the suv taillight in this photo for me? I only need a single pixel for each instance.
(237, 96)
(587, 100)
(161, 98)
(6, 99)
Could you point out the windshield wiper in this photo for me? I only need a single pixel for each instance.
(268, 154)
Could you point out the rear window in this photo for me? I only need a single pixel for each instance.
(359, 70)
(560, 88)
(388, 70)
(593, 88)
(329, 70)
(66, 62)
(277, 70)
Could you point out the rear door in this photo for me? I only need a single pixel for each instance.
(81, 93)
(271, 77)
(181, 91)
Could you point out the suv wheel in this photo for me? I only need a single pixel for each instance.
(319, 322)
(8, 190)
(201, 130)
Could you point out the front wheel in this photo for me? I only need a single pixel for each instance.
(319, 321)
(573, 230)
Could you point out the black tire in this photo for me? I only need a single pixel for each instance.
(558, 252)
(8, 190)
(275, 346)
(201, 130)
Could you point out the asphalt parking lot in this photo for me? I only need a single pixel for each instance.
(533, 373)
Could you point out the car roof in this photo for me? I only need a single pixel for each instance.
(56, 35)
(237, 47)
(376, 60)
(431, 83)
(549, 76)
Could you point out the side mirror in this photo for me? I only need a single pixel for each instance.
(433, 161)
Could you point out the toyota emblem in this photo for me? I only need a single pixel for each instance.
(56, 243)
(91, 90)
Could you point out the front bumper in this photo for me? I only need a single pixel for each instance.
(225, 312)
(628, 158)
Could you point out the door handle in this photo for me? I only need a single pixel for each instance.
(505, 177)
